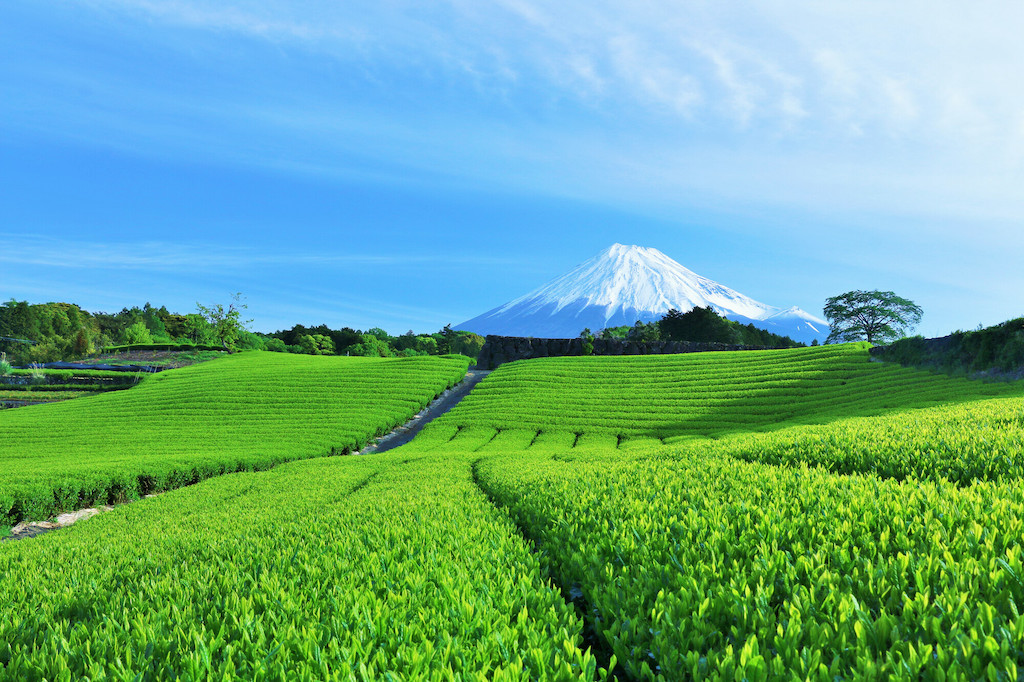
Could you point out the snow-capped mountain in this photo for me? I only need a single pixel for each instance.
(623, 284)
(801, 324)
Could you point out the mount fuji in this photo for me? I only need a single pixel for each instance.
(624, 284)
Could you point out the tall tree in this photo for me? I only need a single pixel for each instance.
(226, 322)
(872, 316)
(444, 344)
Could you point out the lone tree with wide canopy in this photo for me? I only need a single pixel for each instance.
(872, 316)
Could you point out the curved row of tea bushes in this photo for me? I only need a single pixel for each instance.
(25, 387)
(696, 565)
(26, 396)
(982, 440)
(712, 568)
(80, 375)
(335, 569)
(61, 388)
(243, 412)
(691, 563)
(705, 394)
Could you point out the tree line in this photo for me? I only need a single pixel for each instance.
(49, 332)
(322, 340)
(702, 325)
(872, 316)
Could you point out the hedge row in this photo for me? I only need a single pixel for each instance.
(159, 346)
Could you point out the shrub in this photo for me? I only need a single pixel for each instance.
(1011, 355)
(81, 346)
(372, 347)
(50, 350)
(38, 374)
(998, 348)
(316, 344)
(276, 345)
(467, 343)
(909, 351)
(137, 333)
(250, 341)
(160, 346)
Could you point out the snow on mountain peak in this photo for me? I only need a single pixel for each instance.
(624, 277)
(626, 283)
(795, 312)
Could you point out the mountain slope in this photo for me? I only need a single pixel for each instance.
(623, 284)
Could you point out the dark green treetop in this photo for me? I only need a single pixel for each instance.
(872, 316)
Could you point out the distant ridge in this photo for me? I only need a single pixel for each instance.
(623, 284)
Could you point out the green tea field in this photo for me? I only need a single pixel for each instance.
(793, 514)
(240, 413)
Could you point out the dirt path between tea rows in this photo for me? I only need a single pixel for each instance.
(399, 436)
(446, 401)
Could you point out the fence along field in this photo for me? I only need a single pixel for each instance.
(239, 413)
(686, 560)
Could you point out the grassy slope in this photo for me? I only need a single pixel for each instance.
(331, 569)
(692, 563)
(704, 394)
(243, 412)
(341, 568)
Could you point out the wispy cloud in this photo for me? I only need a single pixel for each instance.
(888, 110)
(224, 16)
(885, 119)
(175, 257)
(756, 59)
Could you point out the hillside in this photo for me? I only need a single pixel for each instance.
(703, 394)
(757, 515)
(238, 413)
(707, 559)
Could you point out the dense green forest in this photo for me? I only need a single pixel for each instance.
(702, 325)
(323, 340)
(49, 332)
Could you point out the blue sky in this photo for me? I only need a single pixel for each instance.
(406, 165)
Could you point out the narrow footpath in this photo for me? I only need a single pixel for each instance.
(399, 436)
(444, 402)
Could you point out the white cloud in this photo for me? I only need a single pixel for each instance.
(43, 251)
(838, 79)
(901, 102)
(863, 68)
(742, 97)
(868, 106)
(653, 77)
(221, 16)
